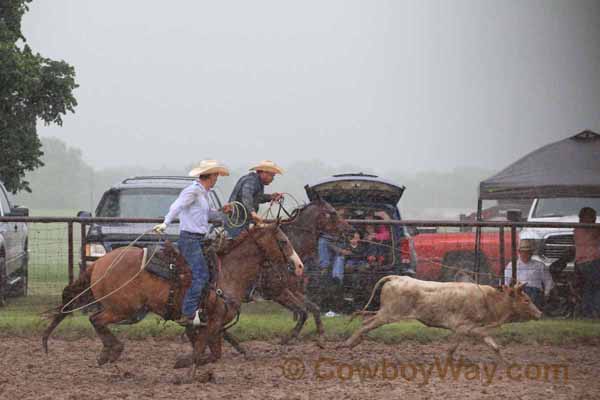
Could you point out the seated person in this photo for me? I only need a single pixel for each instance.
(331, 255)
(379, 237)
(533, 273)
(564, 296)
(355, 252)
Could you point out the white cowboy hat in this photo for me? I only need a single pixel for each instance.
(526, 245)
(207, 167)
(268, 166)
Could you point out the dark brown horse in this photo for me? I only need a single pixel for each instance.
(303, 230)
(123, 289)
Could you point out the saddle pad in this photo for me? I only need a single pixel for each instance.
(158, 265)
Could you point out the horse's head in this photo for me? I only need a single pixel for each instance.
(326, 218)
(276, 246)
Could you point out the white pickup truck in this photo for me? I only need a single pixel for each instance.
(551, 243)
(13, 250)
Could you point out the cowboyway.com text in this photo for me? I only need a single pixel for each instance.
(325, 369)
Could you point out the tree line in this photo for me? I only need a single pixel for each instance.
(67, 182)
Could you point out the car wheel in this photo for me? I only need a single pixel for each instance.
(3, 282)
(22, 286)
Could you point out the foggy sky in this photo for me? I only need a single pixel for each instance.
(392, 85)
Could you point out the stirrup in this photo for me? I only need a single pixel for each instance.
(199, 318)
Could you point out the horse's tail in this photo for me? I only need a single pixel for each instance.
(72, 297)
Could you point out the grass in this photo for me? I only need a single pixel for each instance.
(268, 321)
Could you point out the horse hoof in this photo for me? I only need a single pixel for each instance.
(285, 341)
(115, 352)
(183, 361)
(102, 358)
(206, 377)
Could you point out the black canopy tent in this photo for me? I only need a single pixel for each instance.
(567, 168)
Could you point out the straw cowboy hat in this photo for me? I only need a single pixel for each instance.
(526, 245)
(207, 167)
(268, 166)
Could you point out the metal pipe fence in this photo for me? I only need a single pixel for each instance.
(57, 245)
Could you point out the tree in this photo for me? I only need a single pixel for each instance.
(31, 87)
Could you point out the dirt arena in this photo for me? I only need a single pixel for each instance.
(301, 371)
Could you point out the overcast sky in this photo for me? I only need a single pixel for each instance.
(392, 85)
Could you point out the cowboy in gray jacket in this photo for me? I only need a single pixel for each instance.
(250, 191)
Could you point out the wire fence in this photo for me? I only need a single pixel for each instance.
(428, 250)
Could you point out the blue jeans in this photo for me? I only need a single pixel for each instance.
(535, 294)
(326, 256)
(338, 267)
(324, 252)
(590, 302)
(190, 247)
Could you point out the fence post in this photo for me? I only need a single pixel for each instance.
(70, 250)
(513, 253)
(502, 256)
(83, 243)
(478, 241)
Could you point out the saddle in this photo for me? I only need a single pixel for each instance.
(163, 263)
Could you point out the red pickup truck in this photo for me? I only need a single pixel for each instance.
(451, 256)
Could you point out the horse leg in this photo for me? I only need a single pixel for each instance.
(316, 312)
(112, 347)
(232, 340)
(204, 336)
(186, 360)
(289, 301)
(215, 344)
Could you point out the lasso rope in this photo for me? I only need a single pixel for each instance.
(234, 219)
(269, 213)
(118, 258)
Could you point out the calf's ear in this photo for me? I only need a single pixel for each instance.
(520, 286)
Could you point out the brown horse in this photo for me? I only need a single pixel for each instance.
(303, 230)
(123, 289)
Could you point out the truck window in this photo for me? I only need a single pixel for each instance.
(562, 207)
(137, 203)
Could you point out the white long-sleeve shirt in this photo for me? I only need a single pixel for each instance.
(534, 273)
(193, 208)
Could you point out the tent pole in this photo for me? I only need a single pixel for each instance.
(478, 240)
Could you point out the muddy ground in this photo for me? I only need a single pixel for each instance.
(300, 371)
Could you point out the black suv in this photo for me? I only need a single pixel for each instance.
(138, 197)
(361, 196)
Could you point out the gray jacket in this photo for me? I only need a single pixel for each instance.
(250, 191)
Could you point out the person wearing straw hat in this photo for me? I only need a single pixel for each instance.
(532, 272)
(194, 211)
(250, 191)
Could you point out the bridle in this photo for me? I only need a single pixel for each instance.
(280, 244)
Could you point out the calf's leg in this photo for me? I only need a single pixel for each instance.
(374, 323)
(487, 339)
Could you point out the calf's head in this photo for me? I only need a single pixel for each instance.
(522, 308)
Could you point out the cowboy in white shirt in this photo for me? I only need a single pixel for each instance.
(194, 211)
(533, 273)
